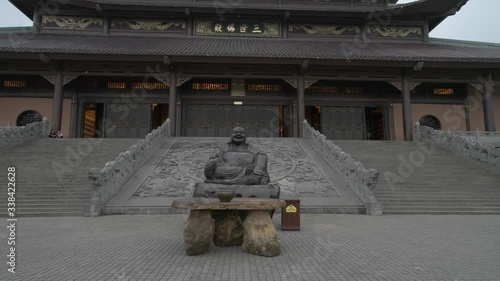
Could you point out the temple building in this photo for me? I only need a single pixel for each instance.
(354, 69)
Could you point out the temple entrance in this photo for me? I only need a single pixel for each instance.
(218, 120)
(343, 123)
(375, 129)
(122, 120)
(347, 122)
(127, 121)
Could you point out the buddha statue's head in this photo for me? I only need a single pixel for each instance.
(238, 137)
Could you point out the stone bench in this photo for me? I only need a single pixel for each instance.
(259, 235)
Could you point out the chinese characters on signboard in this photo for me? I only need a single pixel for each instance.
(237, 28)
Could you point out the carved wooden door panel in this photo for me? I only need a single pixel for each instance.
(230, 116)
(343, 123)
(140, 120)
(269, 121)
(200, 120)
(127, 121)
(209, 120)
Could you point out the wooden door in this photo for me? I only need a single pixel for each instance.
(269, 121)
(127, 120)
(200, 120)
(211, 120)
(343, 123)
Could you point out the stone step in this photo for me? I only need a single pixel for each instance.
(52, 209)
(422, 212)
(435, 193)
(40, 192)
(443, 183)
(63, 192)
(47, 214)
(424, 204)
(441, 208)
(440, 200)
(51, 198)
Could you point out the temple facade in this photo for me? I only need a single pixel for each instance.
(354, 69)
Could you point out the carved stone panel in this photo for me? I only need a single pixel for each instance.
(289, 166)
(143, 25)
(395, 31)
(323, 29)
(69, 22)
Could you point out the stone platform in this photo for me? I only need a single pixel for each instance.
(178, 165)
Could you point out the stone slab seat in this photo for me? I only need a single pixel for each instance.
(258, 235)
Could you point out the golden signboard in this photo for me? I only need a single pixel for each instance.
(291, 209)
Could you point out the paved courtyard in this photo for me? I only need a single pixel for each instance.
(328, 247)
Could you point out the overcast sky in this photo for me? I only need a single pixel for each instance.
(477, 21)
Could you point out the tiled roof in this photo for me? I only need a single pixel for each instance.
(240, 4)
(462, 43)
(241, 47)
(16, 29)
(418, 6)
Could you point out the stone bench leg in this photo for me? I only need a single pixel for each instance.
(198, 232)
(260, 237)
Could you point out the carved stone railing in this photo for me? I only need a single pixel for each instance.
(12, 136)
(492, 138)
(466, 145)
(108, 181)
(361, 180)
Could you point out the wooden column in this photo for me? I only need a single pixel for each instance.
(301, 110)
(426, 31)
(57, 102)
(37, 18)
(467, 114)
(172, 99)
(391, 127)
(74, 116)
(106, 25)
(407, 120)
(489, 115)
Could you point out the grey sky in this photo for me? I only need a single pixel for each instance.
(476, 21)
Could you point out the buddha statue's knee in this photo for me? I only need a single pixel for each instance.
(261, 165)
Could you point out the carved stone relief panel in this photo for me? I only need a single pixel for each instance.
(70, 22)
(323, 29)
(148, 25)
(289, 166)
(395, 31)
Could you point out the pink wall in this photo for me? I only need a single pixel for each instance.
(450, 116)
(10, 108)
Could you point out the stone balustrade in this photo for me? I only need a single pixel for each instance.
(11, 135)
(108, 180)
(361, 180)
(468, 145)
(492, 138)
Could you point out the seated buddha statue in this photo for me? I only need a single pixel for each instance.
(237, 162)
(238, 166)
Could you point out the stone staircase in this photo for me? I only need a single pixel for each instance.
(51, 174)
(418, 179)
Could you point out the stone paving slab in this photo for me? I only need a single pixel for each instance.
(328, 247)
